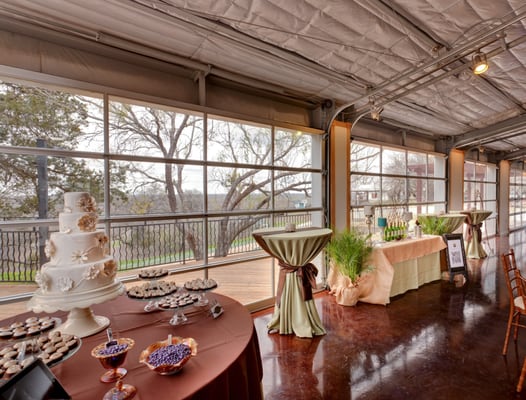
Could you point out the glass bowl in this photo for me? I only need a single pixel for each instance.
(169, 349)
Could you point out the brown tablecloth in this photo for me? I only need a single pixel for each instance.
(227, 364)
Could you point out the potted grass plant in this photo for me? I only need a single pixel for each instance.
(348, 253)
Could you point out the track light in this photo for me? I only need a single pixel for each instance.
(479, 63)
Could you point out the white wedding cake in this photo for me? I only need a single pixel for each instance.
(80, 271)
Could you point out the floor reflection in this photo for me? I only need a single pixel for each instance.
(438, 342)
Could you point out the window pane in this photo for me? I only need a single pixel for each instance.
(297, 149)
(153, 188)
(469, 170)
(155, 131)
(480, 172)
(293, 190)
(436, 166)
(39, 117)
(51, 176)
(436, 191)
(393, 191)
(238, 189)
(365, 158)
(417, 190)
(417, 163)
(237, 142)
(365, 189)
(393, 162)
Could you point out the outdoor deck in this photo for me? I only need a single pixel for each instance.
(247, 282)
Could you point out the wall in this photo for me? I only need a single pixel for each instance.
(456, 180)
(503, 199)
(88, 65)
(339, 171)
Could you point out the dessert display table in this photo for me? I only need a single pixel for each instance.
(295, 310)
(227, 364)
(473, 233)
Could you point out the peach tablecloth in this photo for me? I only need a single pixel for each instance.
(227, 364)
(397, 267)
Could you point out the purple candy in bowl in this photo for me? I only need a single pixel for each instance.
(168, 357)
(112, 355)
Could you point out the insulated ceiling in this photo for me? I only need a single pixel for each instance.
(411, 58)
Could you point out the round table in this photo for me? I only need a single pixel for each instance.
(473, 233)
(227, 364)
(439, 224)
(295, 310)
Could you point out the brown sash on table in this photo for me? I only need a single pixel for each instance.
(307, 273)
(473, 228)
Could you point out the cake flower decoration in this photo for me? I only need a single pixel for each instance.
(87, 203)
(49, 248)
(103, 239)
(92, 272)
(79, 256)
(65, 283)
(87, 223)
(109, 269)
(42, 280)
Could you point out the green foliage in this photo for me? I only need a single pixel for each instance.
(432, 225)
(53, 119)
(349, 250)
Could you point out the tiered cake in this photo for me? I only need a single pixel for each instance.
(80, 271)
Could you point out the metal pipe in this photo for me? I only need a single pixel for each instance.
(457, 53)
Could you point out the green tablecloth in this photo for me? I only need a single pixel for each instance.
(294, 251)
(473, 233)
(441, 223)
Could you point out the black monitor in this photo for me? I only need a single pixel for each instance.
(34, 382)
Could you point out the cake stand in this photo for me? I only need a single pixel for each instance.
(81, 320)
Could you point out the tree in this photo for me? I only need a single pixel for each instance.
(249, 188)
(365, 163)
(145, 130)
(56, 119)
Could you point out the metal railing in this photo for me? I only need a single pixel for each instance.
(138, 245)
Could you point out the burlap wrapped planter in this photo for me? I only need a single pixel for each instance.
(346, 291)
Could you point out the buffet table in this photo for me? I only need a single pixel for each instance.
(295, 310)
(397, 267)
(227, 364)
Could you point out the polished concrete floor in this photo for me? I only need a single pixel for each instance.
(438, 342)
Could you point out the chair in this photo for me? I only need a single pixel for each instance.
(523, 375)
(516, 291)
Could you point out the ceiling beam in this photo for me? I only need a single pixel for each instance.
(494, 132)
(412, 76)
(514, 155)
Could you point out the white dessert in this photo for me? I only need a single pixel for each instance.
(79, 266)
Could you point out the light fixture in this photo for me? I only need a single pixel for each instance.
(375, 109)
(479, 63)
